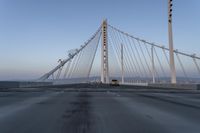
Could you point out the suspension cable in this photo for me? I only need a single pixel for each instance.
(159, 62)
(181, 64)
(130, 53)
(116, 40)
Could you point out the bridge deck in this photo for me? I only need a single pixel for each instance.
(90, 110)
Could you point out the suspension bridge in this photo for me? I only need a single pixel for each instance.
(70, 106)
(124, 57)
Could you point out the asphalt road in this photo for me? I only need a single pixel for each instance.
(99, 112)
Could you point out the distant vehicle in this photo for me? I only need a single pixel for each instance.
(114, 82)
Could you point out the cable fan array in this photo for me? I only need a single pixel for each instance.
(148, 62)
(77, 66)
(143, 62)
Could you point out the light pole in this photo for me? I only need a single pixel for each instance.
(171, 49)
(153, 65)
(122, 62)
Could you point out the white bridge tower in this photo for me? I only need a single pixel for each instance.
(104, 54)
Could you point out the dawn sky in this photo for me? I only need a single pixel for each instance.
(34, 34)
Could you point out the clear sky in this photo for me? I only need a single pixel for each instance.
(34, 34)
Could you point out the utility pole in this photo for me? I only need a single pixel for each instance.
(171, 49)
(104, 54)
(122, 63)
